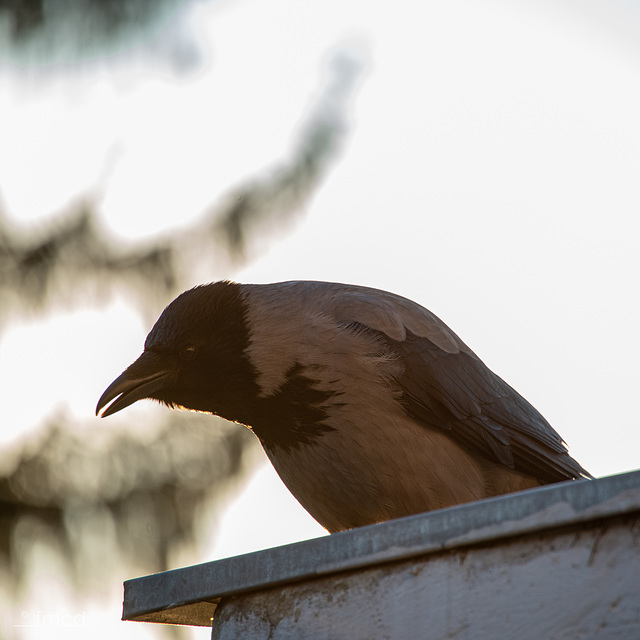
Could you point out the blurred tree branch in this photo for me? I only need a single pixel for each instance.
(140, 500)
(72, 257)
(53, 31)
(149, 488)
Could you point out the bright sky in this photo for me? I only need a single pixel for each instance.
(491, 174)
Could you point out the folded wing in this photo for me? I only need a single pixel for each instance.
(445, 386)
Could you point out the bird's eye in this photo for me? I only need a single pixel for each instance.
(188, 353)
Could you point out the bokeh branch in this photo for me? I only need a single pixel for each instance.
(102, 498)
(148, 490)
(286, 190)
(72, 258)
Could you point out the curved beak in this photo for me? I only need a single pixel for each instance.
(143, 379)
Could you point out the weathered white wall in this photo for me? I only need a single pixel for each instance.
(578, 583)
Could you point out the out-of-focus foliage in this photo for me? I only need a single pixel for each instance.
(72, 257)
(289, 186)
(146, 490)
(63, 259)
(100, 497)
(151, 492)
(46, 33)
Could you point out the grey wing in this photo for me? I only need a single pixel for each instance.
(458, 393)
(445, 386)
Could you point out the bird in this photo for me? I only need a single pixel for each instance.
(367, 404)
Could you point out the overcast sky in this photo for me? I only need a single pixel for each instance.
(490, 173)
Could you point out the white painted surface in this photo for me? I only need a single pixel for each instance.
(576, 584)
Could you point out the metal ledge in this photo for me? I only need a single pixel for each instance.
(190, 595)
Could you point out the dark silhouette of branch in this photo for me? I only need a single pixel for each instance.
(149, 489)
(65, 482)
(72, 257)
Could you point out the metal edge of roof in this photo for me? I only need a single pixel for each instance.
(535, 510)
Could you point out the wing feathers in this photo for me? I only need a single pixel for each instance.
(443, 384)
(452, 390)
(459, 393)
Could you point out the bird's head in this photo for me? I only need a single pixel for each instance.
(193, 357)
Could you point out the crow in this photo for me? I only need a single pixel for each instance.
(368, 406)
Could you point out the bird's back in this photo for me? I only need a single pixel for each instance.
(412, 419)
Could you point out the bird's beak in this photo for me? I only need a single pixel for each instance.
(143, 379)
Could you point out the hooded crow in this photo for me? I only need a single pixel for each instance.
(366, 403)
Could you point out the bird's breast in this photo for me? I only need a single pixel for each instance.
(329, 415)
(379, 467)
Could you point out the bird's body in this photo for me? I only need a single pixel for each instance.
(368, 405)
